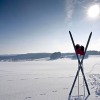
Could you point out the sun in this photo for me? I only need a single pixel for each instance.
(94, 11)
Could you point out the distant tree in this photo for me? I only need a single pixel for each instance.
(93, 52)
(55, 55)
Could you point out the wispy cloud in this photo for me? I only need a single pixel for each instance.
(69, 10)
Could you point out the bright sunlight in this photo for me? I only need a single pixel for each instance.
(94, 11)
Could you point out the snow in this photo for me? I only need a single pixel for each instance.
(48, 80)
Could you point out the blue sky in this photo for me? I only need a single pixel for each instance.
(28, 26)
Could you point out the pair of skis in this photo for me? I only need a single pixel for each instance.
(80, 62)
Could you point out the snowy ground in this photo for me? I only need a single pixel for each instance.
(48, 80)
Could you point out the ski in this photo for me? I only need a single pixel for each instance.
(80, 63)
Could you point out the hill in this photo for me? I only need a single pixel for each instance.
(33, 56)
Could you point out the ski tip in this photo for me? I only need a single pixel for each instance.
(90, 33)
(69, 32)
